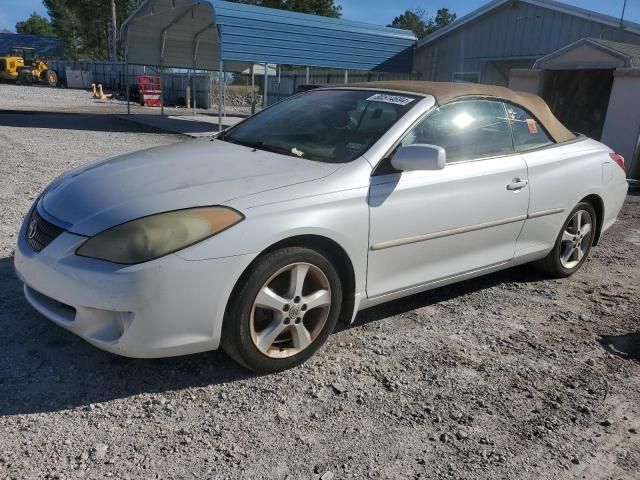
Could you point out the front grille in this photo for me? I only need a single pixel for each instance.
(40, 232)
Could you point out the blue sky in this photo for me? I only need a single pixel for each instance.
(380, 12)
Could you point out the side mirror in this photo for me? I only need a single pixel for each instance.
(419, 157)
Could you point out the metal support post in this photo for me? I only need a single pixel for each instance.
(253, 90)
(126, 84)
(266, 85)
(279, 69)
(193, 90)
(220, 95)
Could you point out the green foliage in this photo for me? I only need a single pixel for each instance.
(35, 25)
(84, 24)
(415, 20)
(419, 23)
(444, 18)
(324, 8)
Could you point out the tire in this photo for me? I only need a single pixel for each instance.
(271, 339)
(25, 77)
(49, 77)
(556, 264)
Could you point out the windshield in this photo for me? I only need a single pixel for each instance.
(326, 125)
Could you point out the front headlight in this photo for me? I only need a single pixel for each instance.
(152, 237)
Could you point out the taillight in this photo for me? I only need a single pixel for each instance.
(619, 159)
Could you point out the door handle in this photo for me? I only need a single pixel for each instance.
(517, 184)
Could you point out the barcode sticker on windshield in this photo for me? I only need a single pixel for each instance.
(395, 99)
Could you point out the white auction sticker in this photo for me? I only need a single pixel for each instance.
(395, 99)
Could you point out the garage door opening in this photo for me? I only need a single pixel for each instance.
(579, 98)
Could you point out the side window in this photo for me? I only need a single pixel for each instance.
(527, 131)
(466, 129)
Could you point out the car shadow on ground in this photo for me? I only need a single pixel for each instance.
(624, 346)
(521, 274)
(45, 368)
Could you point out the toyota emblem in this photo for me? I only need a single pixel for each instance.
(33, 229)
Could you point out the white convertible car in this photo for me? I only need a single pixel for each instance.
(259, 240)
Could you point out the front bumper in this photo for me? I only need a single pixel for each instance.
(166, 307)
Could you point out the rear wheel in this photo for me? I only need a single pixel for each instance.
(49, 77)
(573, 244)
(284, 311)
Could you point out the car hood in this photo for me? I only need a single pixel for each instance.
(189, 174)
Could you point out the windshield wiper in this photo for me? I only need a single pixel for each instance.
(263, 146)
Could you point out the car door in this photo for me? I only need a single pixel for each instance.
(427, 226)
(549, 167)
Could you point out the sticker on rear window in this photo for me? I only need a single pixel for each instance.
(395, 99)
(533, 128)
(354, 146)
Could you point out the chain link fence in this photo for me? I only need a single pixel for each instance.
(242, 94)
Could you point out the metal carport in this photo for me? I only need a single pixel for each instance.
(198, 34)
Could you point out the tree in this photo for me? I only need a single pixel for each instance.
(419, 23)
(35, 25)
(84, 24)
(415, 20)
(324, 8)
(444, 18)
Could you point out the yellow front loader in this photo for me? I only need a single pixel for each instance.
(23, 67)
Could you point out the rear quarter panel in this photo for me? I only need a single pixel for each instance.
(561, 176)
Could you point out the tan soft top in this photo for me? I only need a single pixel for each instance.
(445, 92)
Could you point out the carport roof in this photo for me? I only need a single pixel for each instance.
(200, 34)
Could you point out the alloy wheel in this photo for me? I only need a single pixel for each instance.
(290, 310)
(576, 239)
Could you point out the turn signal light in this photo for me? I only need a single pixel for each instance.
(619, 159)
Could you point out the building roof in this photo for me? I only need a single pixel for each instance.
(626, 53)
(632, 52)
(45, 46)
(549, 4)
(200, 34)
(445, 92)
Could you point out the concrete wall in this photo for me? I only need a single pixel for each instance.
(513, 35)
(525, 80)
(622, 126)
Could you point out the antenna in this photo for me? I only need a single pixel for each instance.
(624, 7)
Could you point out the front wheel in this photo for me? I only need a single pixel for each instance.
(283, 311)
(573, 243)
(50, 78)
(25, 77)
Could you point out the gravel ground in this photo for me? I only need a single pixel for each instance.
(20, 97)
(508, 376)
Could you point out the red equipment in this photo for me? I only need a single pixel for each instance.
(150, 90)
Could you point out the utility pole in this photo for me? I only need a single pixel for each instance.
(114, 44)
(114, 36)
